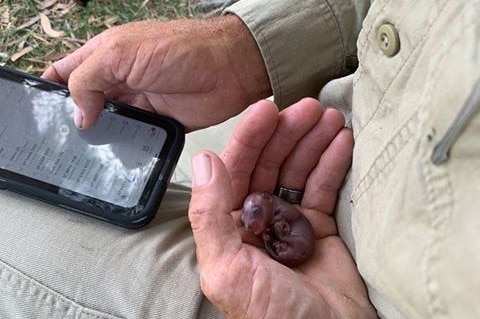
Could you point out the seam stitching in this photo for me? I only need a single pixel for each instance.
(397, 74)
(441, 203)
(440, 207)
(385, 157)
(13, 278)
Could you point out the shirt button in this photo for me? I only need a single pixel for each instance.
(388, 39)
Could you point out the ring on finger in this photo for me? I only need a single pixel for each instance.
(291, 196)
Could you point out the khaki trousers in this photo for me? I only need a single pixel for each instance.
(411, 223)
(59, 264)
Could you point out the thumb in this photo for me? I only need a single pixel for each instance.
(210, 209)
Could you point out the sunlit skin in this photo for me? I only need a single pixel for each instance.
(201, 73)
(303, 147)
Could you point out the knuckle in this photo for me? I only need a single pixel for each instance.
(115, 44)
(197, 214)
(74, 82)
(213, 283)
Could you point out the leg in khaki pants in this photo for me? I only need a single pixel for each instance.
(59, 264)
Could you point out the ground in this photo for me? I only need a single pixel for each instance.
(34, 33)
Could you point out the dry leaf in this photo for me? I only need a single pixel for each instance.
(47, 27)
(70, 45)
(21, 44)
(39, 61)
(18, 55)
(38, 37)
(36, 70)
(144, 3)
(64, 8)
(110, 22)
(47, 4)
(56, 56)
(6, 16)
(79, 41)
(28, 23)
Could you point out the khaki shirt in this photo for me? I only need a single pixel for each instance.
(413, 218)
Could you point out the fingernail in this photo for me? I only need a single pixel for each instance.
(202, 169)
(78, 117)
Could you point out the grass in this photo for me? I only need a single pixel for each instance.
(29, 44)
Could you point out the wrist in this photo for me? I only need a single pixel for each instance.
(244, 59)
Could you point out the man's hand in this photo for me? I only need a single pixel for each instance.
(200, 72)
(304, 147)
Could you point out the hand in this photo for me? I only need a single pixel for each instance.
(200, 72)
(304, 147)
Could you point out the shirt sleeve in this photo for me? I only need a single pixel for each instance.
(304, 43)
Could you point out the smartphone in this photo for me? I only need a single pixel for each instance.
(117, 171)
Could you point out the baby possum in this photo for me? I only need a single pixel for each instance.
(288, 235)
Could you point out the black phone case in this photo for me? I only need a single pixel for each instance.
(138, 217)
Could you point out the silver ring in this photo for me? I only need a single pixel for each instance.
(289, 195)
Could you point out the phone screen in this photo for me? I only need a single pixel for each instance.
(111, 161)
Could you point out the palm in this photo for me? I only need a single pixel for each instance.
(237, 275)
(324, 279)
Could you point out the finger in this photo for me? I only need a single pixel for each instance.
(212, 199)
(323, 225)
(60, 70)
(246, 144)
(294, 122)
(88, 105)
(327, 177)
(87, 84)
(306, 154)
(53, 75)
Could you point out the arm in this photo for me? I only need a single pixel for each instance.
(304, 43)
(202, 72)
